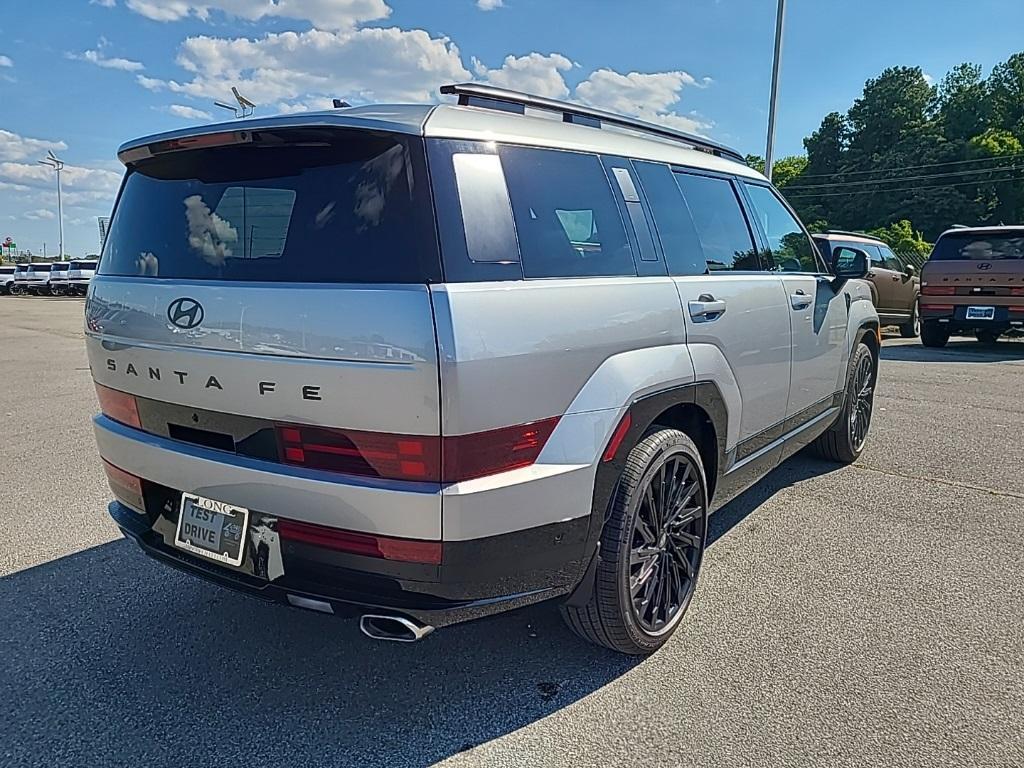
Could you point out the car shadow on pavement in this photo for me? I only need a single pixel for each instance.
(111, 659)
(956, 351)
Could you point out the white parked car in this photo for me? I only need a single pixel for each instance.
(57, 283)
(80, 273)
(7, 278)
(37, 278)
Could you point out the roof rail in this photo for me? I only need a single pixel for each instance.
(477, 95)
(851, 234)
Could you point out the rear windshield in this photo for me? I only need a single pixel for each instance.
(6, 270)
(39, 268)
(82, 265)
(58, 267)
(979, 246)
(328, 206)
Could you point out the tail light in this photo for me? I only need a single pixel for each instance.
(938, 290)
(1018, 291)
(932, 307)
(422, 458)
(125, 486)
(1016, 310)
(119, 406)
(405, 550)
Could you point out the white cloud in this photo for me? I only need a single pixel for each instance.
(649, 96)
(489, 5)
(40, 213)
(187, 112)
(534, 73)
(323, 14)
(5, 61)
(369, 64)
(97, 58)
(930, 79)
(15, 147)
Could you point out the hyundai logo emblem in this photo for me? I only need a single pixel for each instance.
(185, 313)
(985, 265)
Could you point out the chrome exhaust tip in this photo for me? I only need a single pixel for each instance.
(397, 629)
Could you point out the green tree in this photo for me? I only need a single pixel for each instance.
(893, 105)
(903, 238)
(1006, 89)
(999, 194)
(784, 170)
(964, 104)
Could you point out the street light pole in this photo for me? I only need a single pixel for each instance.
(775, 90)
(54, 162)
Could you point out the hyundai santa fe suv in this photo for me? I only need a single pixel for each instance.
(973, 283)
(422, 364)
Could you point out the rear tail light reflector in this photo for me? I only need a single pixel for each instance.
(119, 406)
(423, 458)
(1016, 310)
(369, 545)
(125, 486)
(938, 290)
(617, 437)
(936, 307)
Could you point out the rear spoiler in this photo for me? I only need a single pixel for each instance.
(202, 141)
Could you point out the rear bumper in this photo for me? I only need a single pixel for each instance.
(955, 319)
(477, 576)
(475, 579)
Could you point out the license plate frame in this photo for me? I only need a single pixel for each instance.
(201, 517)
(981, 313)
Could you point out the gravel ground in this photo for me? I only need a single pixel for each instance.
(869, 615)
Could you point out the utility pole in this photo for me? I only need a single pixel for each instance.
(769, 150)
(58, 165)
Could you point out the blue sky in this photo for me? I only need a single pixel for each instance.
(80, 77)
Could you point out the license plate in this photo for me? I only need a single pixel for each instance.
(211, 529)
(981, 313)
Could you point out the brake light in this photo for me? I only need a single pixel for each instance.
(936, 307)
(423, 458)
(1016, 309)
(1018, 291)
(938, 290)
(497, 450)
(369, 545)
(125, 486)
(120, 406)
(370, 454)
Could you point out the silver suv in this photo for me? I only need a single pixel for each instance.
(422, 364)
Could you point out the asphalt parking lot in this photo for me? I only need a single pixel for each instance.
(870, 615)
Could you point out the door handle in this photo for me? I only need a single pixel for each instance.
(800, 300)
(706, 308)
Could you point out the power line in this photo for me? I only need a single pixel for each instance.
(905, 178)
(910, 167)
(901, 189)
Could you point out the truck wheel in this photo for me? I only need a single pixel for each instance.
(844, 440)
(934, 335)
(651, 548)
(912, 328)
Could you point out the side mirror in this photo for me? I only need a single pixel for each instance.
(848, 264)
(911, 270)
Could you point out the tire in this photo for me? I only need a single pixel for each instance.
(987, 337)
(912, 328)
(934, 335)
(634, 543)
(844, 441)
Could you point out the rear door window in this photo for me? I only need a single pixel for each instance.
(566, 219)
(672, 220)
(296, 205)
(721, 226)
(789, 246)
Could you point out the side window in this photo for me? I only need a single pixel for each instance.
(874, 254)
(719, 221)
(791, 249)
(889, 260)
(566, 218)
(672, 220)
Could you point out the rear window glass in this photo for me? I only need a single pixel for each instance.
(82, 265)
(977, 246)
(39, 268)
(310, 205)
(720, 223)
(566, 219)
(6, 270)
